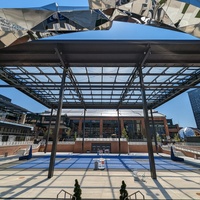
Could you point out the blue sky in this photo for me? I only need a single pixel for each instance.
(178, 109)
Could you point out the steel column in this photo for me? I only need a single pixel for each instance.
(119, 131)
(147, 127)
(83, 142)
(48, 131)
(56, 131)
(154, 131)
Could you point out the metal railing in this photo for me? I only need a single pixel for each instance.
(135, 195)
(65, 195)
(62, 142)
(15, 143)
(138, 140)
(101, 139)
(182, 148)
(188, 150)
(188, 144)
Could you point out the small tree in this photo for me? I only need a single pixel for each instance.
(177, 138)
(77, 191)
(158, 138)
(124, 134)
(123, 192)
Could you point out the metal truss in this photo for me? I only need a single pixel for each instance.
(101, 74)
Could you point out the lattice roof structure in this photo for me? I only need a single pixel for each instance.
(101, 74)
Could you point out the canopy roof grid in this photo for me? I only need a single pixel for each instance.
(19, 25)
(101, 74)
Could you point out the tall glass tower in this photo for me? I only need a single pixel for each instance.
(194, 96)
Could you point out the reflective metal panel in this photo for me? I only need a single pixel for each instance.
(35, 23)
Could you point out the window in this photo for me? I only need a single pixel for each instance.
(92, 128)
(133, 129)
(110, 128)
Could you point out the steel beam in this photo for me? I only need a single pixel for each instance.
(146, 118)
(147, 129)
(83, 141)
(48, 131)
(57, 125)
(154, 131)
(119, 131)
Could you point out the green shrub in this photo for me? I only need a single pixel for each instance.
(77, 191)
(123, 191)
(177, 138)
(124, 134)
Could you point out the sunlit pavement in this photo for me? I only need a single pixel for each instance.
(28, 179)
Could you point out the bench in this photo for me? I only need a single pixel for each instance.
(174, 157)
(27, 156)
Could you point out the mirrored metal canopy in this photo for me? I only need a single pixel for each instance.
(27, 24)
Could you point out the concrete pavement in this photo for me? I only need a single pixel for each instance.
(96, 184)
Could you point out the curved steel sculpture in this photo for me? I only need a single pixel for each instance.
(18, 25)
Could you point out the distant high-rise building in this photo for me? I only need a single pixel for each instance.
(194, 96)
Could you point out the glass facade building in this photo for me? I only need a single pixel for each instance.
(104, 124)
(194, 96)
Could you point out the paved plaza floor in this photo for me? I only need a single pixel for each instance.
(28, 178)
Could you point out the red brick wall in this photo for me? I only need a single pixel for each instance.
(140, 148)
(12, 150)
(188, 154)
(77, 148)
(60, 148)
